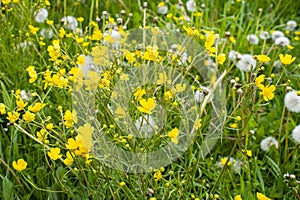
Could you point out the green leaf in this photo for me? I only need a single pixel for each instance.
(7, 187)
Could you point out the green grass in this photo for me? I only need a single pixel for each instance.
(188, 177)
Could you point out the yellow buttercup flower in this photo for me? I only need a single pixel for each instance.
(36, 107)
(173, 134)
(13, 116)
(248, 152)
(263, 58)
(268, 92)
(139, 94)
(80, 60)
(238, 197)
(86, 132)
(33, 29)
(54, 153)
(223, 161)
(157, 175)
(260, 196)
(28, 117)
(72, 144)
(221, 58)
(286, 59)
(2, 109)
(146, 105)
(20, 165)
(259, 80)
(32, 74)
(42, 136)
(69, 160)
(21, 104)
(70, 118)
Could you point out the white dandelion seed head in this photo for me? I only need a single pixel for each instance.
(282, 41)
(25, 96)
(210, 63)
(237, 166)
(41, 15)
(71, 23)
(145, 124)
(266, 143)
(24, 45)
(277, 64)
(202, 93)
(46, 33)
(277, 34)
(116, 37)
(264, 35)
(162, 10)
(246, 63)
(296, 134)
(292, 101)
(88, 65)
(234, 56)
(220, 164)
(191, 5)
(252, 39)
(291, 25)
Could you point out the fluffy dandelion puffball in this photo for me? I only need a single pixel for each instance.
(266, 143)
(292, 101)
(296, 134)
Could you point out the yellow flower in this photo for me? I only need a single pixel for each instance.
(86, 132)
(210, 40)
(223, 161)
(33, 29)
(36, 107)
(54, 153)
(120, 112)
(20, 165)
(49, 22)
(238, 197)
(221, 58)
(49, 126)
(263, 58)
(234, 125)
(69, 160)
(28, 117)
(80, 19)
(161, 4)
(130, 57)
(260, 196)
(267, 92)
(122, 184)
(146, 105)
(42, 136)
(100, 54)
(32, 74)
(162, 78)
(97, 35)
(70, 118)
(173, 134)
(80, 60)
(286, 59)
(13, 116)
(5, 2)
(259, 80)
(72, 144)
(2, 109)
(248, 152)
(139, 94)
(20, 103)
(151, 53)
(157, 175)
